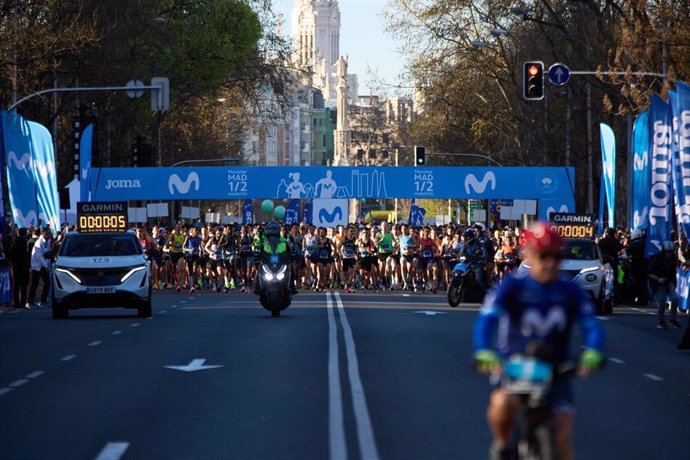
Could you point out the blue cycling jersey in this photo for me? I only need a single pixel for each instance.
(522, 310)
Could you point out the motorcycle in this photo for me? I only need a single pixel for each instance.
(274, 285)
(463, 284)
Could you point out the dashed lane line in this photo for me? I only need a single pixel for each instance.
(616, 360)
(18, 383)
(95, 343)
(162, 312)
(68, 358)
(113, 451)
(135, 325)
(656, 378)
(643, 311)
(116, 333)
(35, 374)
(4, 391)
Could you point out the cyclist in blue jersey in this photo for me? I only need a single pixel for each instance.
(543, 308)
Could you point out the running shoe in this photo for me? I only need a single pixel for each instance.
(675, 324)
(662, 325)
(191, 291)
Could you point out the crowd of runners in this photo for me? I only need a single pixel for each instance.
(370, 258)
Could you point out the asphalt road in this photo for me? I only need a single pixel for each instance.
(346, 376)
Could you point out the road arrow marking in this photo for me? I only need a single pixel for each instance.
(194, 365)
(430, 313)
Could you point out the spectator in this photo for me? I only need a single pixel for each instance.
(5, 279)
(662, 276)
(21, 264)
(41, 255)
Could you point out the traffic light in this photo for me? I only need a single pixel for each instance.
(419, 155)
(533, 80)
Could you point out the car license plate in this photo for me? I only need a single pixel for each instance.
(100, 290)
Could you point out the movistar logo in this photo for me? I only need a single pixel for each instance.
(480, 186)
(640, 218)
(19, 163)
(533, 323)
(182, 187)
(640, 162)
(326, 217)
(25, 220)
(551, 209)
(122, 183)
(45, 169)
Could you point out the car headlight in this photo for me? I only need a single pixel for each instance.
(131, 272)
(589, 269)
(68, 273)
(280, 276)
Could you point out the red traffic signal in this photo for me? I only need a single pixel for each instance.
(533, 80)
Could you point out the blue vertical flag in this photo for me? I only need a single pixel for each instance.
(307, 211)
(608, 157)
(45, 175)
(641, 172)
(20, 180)
(680, 109)
(292, 212)
(660, 218)
(85, 149)
(3, 230)
(248, 212)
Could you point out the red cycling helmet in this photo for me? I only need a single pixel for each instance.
(541, 237)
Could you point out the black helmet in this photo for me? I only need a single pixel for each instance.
(272, 228)
(469, 234)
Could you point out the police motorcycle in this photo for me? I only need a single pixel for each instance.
(463, 284)
(274, 276)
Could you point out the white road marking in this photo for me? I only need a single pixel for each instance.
(35, 374)
(95, 343)
(336, 431)
(173, 306)
(5, 391)
(162, 312)
(116, 332)
(113, 451)
(616, 360)
(431, 313)
(602, 318)
(135, 325)
(68, 358)
(643, 311)
(407, 295)
(18, 383)
(365, 432)
(656, 378)
(150, 318)
(190, 298)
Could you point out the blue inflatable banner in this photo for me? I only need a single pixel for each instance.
(248, 212)
(31, 176)
(553, 185)
(683, 288)
(3, 229)
(85, 148)
(306, 211)
(641, 172)
(292, 213)
(680, 108)
(660, 219)
(608, 157)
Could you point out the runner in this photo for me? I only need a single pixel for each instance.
(386, 262)
(348, 252)
(408, 255)
(367, 260)
(191, 249)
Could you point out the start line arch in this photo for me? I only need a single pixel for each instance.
(552, 187)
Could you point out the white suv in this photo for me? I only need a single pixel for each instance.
(583, 264)
(101, 270)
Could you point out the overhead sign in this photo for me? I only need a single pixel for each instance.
(93, 217)
(571, 225)
(559, 74)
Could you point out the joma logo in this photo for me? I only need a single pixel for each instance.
(122, 183)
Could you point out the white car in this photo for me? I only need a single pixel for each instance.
(101, 270)
(584, 265)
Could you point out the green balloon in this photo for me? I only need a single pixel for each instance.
(267, 206)
(279, 212)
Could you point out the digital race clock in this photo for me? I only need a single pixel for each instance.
(570, 225)
(93, 217)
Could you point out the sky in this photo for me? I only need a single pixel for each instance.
(371, 50)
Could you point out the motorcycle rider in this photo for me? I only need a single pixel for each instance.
(273, 244)
(538, 306)
(475, 253)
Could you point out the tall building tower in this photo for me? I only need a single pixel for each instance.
(316, 41)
